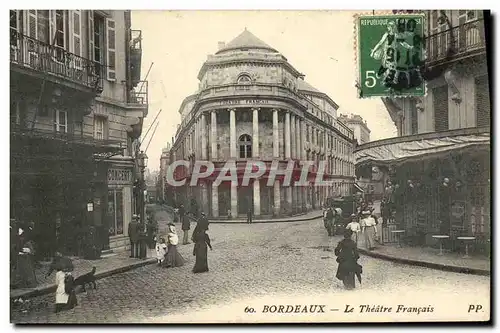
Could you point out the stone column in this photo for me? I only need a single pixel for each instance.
(195, 137)
(234, 200)
(289, 198)
(287, 135)
(276, 135)
(293, 134)
(232, 132)
(213, 134)
(256, 197)
(255, 137)
(298, 138)
(215, 200)
(277, 198)
(203, 124)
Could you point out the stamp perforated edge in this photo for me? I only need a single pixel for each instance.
(356, 17)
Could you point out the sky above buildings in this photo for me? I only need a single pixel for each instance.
(319, 44)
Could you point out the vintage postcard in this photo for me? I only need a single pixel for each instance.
(250, 166)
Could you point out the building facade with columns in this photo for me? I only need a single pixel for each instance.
(254, 105)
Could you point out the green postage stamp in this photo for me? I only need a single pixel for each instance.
(390, 53)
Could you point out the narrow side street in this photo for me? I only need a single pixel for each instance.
(248, 262)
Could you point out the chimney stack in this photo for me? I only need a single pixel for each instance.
(172, 141)
(221, 45)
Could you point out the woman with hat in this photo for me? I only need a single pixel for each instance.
(369, 229)
(355, 227)
(173, 257)
(347, 257)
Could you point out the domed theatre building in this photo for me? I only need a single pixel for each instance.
(254, 105)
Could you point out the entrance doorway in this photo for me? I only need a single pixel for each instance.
(245, 199)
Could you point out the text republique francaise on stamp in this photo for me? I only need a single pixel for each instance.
(390, 53)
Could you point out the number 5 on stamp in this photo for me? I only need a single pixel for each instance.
(390, 55)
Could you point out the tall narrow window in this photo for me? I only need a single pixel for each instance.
(440, 101)
(60, 38)
(245, 143)
(98, 38)
(99, 128)
(111, 43)
(43, 26)
(76, 33)
(61, 121)
(14, 30)
(483, 105)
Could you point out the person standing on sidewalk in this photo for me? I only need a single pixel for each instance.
(133, 234)
(355, 227)
(249, 215)
(369, 229)
(347, 258)
(186, 226)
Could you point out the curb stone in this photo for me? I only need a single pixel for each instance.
(412, 262)
(171, 210)
(39, 291)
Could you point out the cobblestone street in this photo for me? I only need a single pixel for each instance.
(247, 262)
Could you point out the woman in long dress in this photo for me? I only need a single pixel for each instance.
(173, 257)
(368, 227)
(347, 257)
(24, 266)
(201, 241)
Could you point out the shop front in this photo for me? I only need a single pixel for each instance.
(438, 184)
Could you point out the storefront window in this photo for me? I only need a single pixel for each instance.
(115, 212)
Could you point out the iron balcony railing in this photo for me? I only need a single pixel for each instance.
(56, 61)
(139, 95)
(465, 39)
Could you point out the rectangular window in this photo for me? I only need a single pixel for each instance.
(440, 102)
(98, 38)
(43, 26)
(100, 128)
(14, 29)
(111, 53)
(76, 34)
(483, 105)
(115, 212)
(61, 121)
(60, 35)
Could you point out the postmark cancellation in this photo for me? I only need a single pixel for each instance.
(389, 53)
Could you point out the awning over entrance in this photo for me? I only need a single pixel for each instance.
(392, 152)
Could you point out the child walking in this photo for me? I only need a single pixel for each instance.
(161, 250)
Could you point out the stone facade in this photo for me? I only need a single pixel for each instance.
(253, 105)
(358, 126)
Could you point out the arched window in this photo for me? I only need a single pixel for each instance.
(245, 142)
(244, 79)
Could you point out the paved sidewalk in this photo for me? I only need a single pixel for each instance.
(106, 266)
(428, 257)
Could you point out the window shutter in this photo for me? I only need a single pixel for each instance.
(440, 101)
(76, 32)
(483, 106)
(52, 27)
(90, 23)
(31, 24)
(111, 53)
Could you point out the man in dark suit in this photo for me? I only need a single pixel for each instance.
(185, 223)
(249, 215)
(133, 234)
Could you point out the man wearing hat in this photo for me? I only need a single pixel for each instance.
(133, 234)
(368, 227)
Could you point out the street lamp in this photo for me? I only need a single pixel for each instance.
(142, 161)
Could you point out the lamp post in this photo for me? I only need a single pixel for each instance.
(142, 160)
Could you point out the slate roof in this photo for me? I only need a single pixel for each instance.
(246, 40)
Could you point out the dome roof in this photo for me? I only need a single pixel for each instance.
(246, 40)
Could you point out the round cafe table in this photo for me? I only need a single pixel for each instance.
(398, 234)
(440, 237)
(466, 239)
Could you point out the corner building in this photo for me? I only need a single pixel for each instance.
(254, 105)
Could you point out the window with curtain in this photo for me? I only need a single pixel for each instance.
(115, 212)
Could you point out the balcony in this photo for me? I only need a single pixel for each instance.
(135, 56)
(34, 56)
(139, 95)
(459, 42)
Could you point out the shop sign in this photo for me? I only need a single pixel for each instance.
(119, 176)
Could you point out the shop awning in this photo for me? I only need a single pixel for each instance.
(393, 152)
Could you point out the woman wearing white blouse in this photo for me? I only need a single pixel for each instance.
(368, 227)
